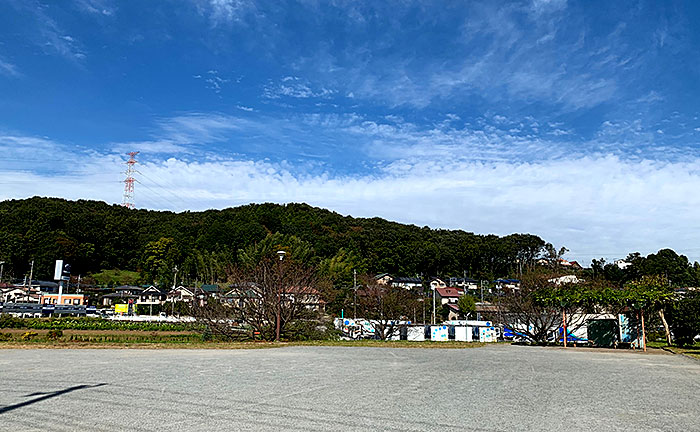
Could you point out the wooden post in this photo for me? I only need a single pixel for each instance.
(644, 335)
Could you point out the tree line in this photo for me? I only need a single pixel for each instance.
(94, 236)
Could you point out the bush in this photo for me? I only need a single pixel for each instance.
(684, 318)
(5, 336)
(311, 330)
(29, 335)
(9, 321)
(54, 334)
(84, 323)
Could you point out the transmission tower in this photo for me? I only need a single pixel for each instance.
(128, 200)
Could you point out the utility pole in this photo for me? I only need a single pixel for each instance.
(563, 313)
(31, 275)
(433, 306)
(478, 314)
(174, 287)
(2, 268)
(354, 299)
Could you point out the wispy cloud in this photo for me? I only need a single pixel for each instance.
(225, 11)
(7, 68)
(48, 34)
(295, 87)
(99, 7)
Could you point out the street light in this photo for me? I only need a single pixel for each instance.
(278, 318)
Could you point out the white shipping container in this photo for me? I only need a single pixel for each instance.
(463, 333)
(415, 333)
(439, 333)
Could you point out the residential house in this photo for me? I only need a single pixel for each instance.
(383, 278)
(19, 295)
(464, 283)
(437, 283)
(118, 297)
(210, 290)
(152, 296)
(506, 284)
(180, 294)
(66, 299)
(309, 297)
(448, 295)
(407, 282)
(448, 298)
(128, 289)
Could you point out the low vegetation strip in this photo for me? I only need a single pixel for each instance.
(14, 339)
(9, 322)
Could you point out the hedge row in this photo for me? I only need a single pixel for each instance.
(9, 321)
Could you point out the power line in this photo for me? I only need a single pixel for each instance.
(164, 188)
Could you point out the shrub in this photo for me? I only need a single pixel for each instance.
(9, 321)
(207, 335)
(84, 323)
(5, 336)
(29, 335)
(54, 334)
(684, 318)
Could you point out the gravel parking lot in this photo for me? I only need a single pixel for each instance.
(495, 388)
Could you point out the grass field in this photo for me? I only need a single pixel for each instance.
(691, 351)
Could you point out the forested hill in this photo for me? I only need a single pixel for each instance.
(94, 235)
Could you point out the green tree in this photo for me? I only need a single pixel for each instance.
(159, 259)
(684, 318)
(467, 305)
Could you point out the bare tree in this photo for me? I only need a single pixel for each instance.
(554, 256)
(384, 306)
(522, 310)
(267, 299)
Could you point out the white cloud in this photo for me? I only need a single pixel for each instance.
(601, 206)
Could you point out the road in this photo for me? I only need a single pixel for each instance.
(495, 388)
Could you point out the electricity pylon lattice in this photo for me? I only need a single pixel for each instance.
(128, 200)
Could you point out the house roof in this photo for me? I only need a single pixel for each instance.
(128, 288)
(119, 295)
(449, 292)
(402, 279)
(153, 290)
(453, 306)
(210, 288)
(180, 289)
(237, 293)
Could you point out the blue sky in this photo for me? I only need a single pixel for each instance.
(576, 121)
